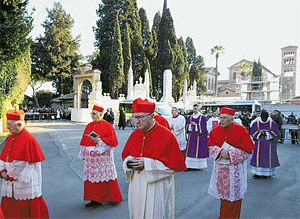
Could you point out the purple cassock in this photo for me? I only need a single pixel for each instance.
(265, 136)
(197, 142)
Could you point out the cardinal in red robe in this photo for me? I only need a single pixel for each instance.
(161, 120)
(229, 144)
(151, 157)
(20, 167)
(99, 174)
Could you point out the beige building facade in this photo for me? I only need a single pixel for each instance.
(288, 72)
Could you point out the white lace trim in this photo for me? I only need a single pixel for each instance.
(196, 163)
(99, 166)
(28, 180)
(228, 182)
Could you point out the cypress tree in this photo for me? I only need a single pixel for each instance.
(156, 22)
(117, 72)
(145, 26)
(191, 51)
(104, 34)
(152, 56)
(167, 40)
(126, 56)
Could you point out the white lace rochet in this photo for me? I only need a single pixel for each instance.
(229, 179)
(99, 165)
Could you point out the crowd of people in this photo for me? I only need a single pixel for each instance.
(155, 150)
(46, 113)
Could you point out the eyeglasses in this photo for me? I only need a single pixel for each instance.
(141, 116)
(93, 114)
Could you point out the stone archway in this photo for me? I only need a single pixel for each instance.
(86, 82)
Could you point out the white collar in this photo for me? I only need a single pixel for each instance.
(260, 120)
(195, 116)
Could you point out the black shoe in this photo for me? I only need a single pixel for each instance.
(91, 204)
(256, 176)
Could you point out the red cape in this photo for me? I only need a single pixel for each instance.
(160, 145)
(237, 136)
(162, 121)
(102, 128)
(23, 148)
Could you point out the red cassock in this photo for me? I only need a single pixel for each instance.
(162, 121)
(236, 135)
(160, 144)
(106, 190)
(23, 147)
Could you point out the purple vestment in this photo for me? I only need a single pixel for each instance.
(265, 152)
(197, 143)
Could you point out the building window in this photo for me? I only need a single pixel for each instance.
(234, 76)
(209, 84)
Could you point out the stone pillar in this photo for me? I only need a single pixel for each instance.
(167, 87)
(130, 92)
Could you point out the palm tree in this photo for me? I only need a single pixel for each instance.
(217, 50)
(243, 69)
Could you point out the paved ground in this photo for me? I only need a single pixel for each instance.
(277, 197)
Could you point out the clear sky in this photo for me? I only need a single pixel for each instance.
(247, 29)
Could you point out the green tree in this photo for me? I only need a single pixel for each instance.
(243, 69)
(257, 74)
(191, 51)
(217, 51)
(44, 97)
(61, 48)
(104, 35)
(170, 55)
(197, 72)
(145, 26)
(39, 71)
(156, 22)
(15, 26)
(117, 64)
(126, 56)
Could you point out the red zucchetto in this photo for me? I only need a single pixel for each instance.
(15, 115)
(226, 110)
(98, 108)
(143, 106)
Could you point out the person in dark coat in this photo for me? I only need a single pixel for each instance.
(277, 117)
(108, 116)
(122, 119)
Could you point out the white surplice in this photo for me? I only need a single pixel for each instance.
(151, 191)
(28, 180)
(178, 130)
(229, 176)
(211, 123)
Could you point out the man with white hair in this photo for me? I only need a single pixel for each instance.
(20, 167)
(99, 174)
(177, 125)
(229, 144)
(236, 118)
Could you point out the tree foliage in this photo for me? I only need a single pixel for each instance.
(44, 97)
(191, 51)
(15, 26)
(61, 59)
(117, 65)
